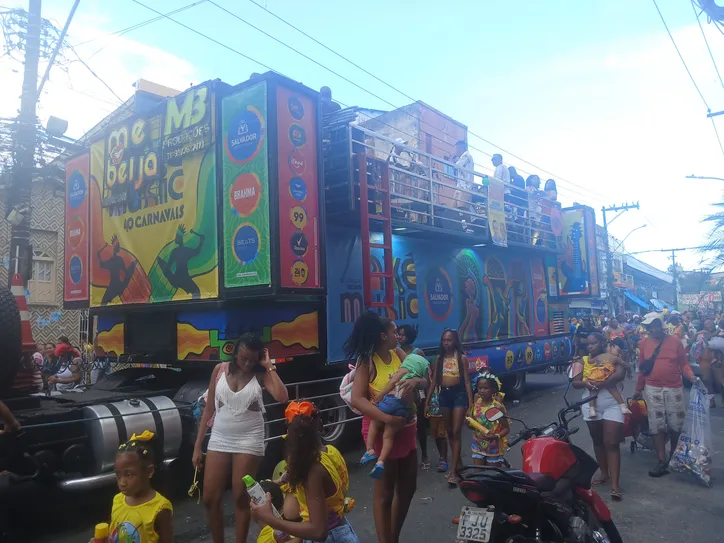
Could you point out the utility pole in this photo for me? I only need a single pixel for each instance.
(675, 275)
(609, 257)
(24, 149)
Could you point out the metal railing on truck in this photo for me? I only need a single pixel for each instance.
(428, 191)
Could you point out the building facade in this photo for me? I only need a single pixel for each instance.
(45, 286)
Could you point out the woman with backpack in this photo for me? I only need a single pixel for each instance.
(236, 446)
(373, 345)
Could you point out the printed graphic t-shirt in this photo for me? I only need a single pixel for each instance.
(135, 523)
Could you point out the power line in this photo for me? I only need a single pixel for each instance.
(559, 178)
(716, 132)
(138, 25)
(711, 55)
(680, 56)
(585, 195)
(99, 78)
(236, 51)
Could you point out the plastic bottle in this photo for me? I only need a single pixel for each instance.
(256, 492)
(100, 534)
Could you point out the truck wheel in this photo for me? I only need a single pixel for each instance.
(338, 428)
(11, 348)
(514, 385)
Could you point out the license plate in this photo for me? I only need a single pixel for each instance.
(475, 524)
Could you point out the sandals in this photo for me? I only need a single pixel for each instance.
(442, 466)
(616, 495)
(425, 466)
(599, 481)
(452, 479)
(367, 457)
(378, 471)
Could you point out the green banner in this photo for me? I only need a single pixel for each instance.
(246, 188)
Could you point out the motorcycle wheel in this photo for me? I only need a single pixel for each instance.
(611, 531)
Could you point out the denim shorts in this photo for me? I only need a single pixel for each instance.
(453, 397)
(340, 534)
(392, 405)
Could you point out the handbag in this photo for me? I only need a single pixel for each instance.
(647, 366)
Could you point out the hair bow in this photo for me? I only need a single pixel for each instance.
(147, 435)
(296, 409)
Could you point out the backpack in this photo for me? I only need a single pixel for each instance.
(345, 388)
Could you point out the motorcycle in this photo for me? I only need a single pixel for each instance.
(549, 501)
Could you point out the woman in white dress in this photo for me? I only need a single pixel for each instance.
(236, 447)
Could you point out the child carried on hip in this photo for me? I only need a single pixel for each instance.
(392, 401)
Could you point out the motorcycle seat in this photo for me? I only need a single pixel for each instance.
(541, 481)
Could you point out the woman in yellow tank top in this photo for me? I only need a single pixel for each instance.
(317, 476)
(373, 344)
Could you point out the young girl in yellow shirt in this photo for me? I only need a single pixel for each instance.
(140, 514)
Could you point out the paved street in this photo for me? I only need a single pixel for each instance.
(674, 508)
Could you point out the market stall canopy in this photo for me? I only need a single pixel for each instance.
(635, 299)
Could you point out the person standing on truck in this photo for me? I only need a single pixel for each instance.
(464, 166)
(406, 336)
(373, 344)
(450, 372)
(235, 412)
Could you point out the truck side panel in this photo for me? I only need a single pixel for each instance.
(485, 293)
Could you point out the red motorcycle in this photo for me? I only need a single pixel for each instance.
(549, 501)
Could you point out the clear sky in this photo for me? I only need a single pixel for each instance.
(590, 91)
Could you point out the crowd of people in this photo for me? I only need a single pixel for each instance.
(656, 348)
(527, 204)
(401, 394)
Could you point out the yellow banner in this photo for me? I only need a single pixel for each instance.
(153, 205)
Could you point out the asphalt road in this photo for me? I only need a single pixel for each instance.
(673, 508)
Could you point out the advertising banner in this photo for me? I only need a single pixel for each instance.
(298, 190)
(496, 213)
(76, 229)
(574, 264)
(485, 294)
(245, 194)
(153, 205)
(589, 218)
(540, 301)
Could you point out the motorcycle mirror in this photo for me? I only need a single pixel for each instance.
(575, 369)
(493, 414)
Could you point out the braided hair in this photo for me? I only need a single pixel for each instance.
(144, 445)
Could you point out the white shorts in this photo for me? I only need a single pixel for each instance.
(607, 408)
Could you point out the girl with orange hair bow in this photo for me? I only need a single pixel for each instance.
(317, 476)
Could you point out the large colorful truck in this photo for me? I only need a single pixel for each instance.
(194, 218)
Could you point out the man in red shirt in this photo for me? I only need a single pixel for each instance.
(664, 387)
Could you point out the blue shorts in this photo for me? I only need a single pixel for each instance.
(453, 397)
(392, 405)
(341, 534)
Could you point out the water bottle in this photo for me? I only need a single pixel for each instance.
(256, 492)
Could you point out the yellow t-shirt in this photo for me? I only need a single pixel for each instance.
(334, 463)
(383, 372)
(135, 523)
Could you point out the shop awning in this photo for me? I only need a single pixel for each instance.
(635, 299)
(660, 305)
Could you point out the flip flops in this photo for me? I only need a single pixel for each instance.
(425, 466)
(442, 466)
(378, 471)
(367, 457)
(616, 495)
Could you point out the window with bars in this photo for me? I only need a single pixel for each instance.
(41, 286)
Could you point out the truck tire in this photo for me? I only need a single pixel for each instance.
(11, 348)
(339, 431)
(514, 385)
